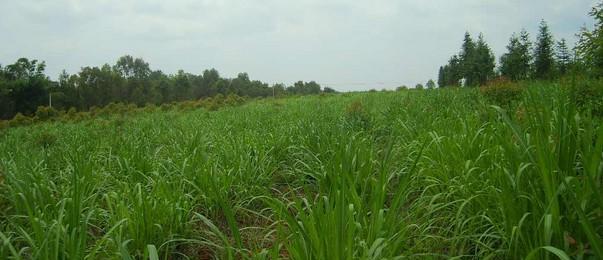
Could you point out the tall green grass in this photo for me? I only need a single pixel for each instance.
(409, 174)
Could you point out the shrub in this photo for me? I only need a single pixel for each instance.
(150, 107)
(46, 113)
(94, 110)
(165, 107)
(588, 95)
(357, 116)
(20, 120)
(115, 108)
(501, 92)
(233, 100)
(45, 139)
(187, 105)
(71, 112)
(3, 124)
(131, 107)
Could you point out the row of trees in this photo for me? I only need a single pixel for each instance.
(24, 86)
(474, 64)
(545, 59)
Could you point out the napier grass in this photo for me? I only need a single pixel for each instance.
(383, 175)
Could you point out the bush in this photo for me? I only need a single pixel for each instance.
(234, 100)
(165, 107)
(187, 105)
(45, 139)
(588, 95)
(20, 120)
(71, 112)
(46, 113)
(357, 116)
(115, 108)
(3, 124)
(150, 107)
(501, 92)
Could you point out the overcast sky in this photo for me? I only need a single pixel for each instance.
(348, 45)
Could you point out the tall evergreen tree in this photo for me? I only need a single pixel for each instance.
(589, 48)
(544, 61)
(441, 77)
(515, 64)
(467, 61)
(564, 57)
(453, 71)
(484, 62)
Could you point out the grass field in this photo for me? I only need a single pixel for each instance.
(409, 174)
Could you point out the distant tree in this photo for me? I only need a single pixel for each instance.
(441, 77)
(589, 48)
(452, 73)
(430, 84)
(563, 57)
(329, 90)
(419, 86)
(23, 87)
(484, 62)
(400, 88)
(279, 89)
(304, 88)
(468, 61)
(515, 64)
(544, 61)
(130, 68)
(182, 85)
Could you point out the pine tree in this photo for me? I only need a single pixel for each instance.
(467, 61)
(484, 62)
(526, 58)
(544, 62)
(441, 77)
(455, 71)
(564, 58)
(515, 64)
(590, 44)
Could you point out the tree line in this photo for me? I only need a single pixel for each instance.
(544, 59)
(24, 86)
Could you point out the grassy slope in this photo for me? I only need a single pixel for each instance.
(374, 175)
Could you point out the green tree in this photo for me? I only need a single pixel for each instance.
(441, 77)
(468, 62)
(484, 62)
(329, 90)
(589, 48)
(23, 87)
(544, 61)
(515, 64)
(430, 84)
(131, 68)
(563, 56)
(452, 73)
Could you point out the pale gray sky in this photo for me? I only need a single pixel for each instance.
(348, 45)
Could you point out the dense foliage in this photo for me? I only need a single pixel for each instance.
(524, 60)
(24, 87)
(473, 66)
